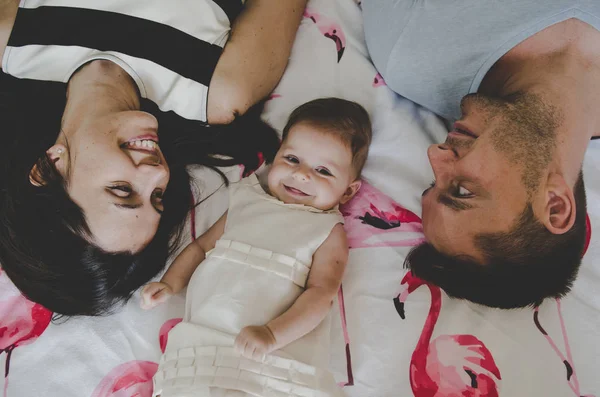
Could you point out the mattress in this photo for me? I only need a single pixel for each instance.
(391, 334)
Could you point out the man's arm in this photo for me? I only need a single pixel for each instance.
(254, 58)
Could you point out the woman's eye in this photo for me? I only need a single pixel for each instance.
(157, 200)
(123, 191)
(324, 171)
(158, 195)
(292, 159)
(462, 192)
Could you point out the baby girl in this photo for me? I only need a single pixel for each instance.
(264, 276)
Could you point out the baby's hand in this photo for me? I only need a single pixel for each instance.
(254, 342)
(154, 294)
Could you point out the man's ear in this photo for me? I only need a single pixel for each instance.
(351, 191)
(559, 205)
(57, 156)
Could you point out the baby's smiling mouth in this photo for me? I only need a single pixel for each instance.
(295, 192)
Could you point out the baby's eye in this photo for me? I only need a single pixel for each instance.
(324, 171)
(462, 192)
(291, 159)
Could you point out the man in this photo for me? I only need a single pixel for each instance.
(505, 218)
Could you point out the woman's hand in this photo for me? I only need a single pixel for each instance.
(154, 294)
(255, 342)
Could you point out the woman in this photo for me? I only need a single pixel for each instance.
(91, 197)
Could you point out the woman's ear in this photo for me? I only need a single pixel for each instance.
(559, 205)
(57, 156)
(351, 191)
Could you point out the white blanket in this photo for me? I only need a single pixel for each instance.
(442, 347)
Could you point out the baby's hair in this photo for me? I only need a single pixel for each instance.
(348, 120)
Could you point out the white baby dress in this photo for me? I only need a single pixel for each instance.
(256, 271)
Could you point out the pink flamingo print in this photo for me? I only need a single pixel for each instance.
(450, 365)
(375, 220)
(330, 29)
(378, 81)
(163, 334)
(588, 234)
(131, 379)
(342, 308)
(22, 321)
(568, 360)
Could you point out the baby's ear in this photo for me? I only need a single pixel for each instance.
(351, 191)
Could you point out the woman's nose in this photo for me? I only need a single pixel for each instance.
(441, 158)
(140, 158)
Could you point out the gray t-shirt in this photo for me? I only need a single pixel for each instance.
(434, 52)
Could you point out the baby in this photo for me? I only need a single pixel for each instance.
(270, 268)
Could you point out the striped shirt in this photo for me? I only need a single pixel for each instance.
(169, 47)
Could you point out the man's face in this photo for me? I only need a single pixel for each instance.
(485, 172)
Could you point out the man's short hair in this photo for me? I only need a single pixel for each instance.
(522, 267)
(348, 120)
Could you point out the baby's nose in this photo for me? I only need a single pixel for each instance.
(301, 174)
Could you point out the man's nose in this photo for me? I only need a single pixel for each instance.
(441, 158)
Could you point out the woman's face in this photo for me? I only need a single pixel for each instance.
(117, 174)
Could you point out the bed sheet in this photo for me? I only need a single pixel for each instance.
(438, 347)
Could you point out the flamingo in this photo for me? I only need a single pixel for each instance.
(450, 365)
(163, 334)
(588, 234)
(23, 321)
(373, 219)
(330, 29)
(378, 81)
(130, 379)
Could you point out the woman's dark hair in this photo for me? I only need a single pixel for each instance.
(43, 244)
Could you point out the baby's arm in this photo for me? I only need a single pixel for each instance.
(179, 273)
(324, 280)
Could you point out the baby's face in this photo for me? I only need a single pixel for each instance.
(312, 168)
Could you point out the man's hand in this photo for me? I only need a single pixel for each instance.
(255, 342)
(154, 294)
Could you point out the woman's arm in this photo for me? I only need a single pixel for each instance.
(324, 280)
(8, 12)
(180, 272)
(254, 58)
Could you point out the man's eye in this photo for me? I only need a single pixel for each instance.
(292, 159)
(324, 171)
(462, 192)
(123, 191)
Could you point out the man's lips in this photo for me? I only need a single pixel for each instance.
(295, 192)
